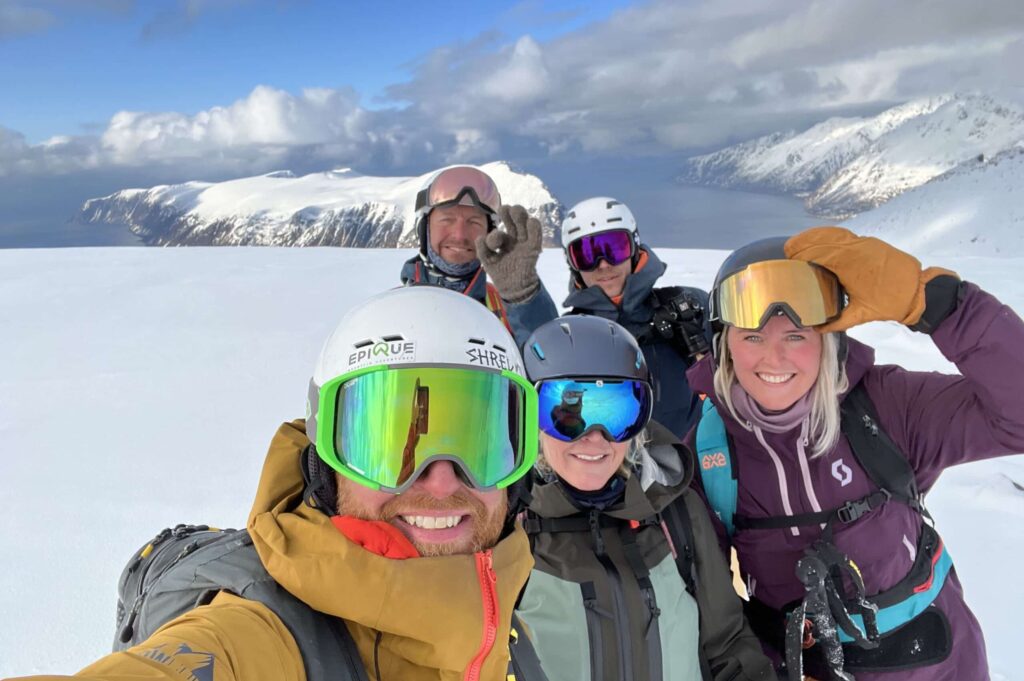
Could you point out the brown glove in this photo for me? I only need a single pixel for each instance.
(882, 282)
(509, 255)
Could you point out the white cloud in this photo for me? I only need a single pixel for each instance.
(656, 78)
(523, 78)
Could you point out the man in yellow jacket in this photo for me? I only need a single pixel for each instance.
(395, 522)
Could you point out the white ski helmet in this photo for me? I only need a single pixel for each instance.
(413, 325)
(599, 214)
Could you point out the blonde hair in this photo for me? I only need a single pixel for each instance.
(831, 383)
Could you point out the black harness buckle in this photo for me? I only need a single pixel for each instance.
(853, 510)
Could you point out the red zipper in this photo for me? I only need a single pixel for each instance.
(489, 591)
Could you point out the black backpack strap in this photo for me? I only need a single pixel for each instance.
(877, 454)
(847, 513)
(680, 530)
(524, 662)
(535, 524)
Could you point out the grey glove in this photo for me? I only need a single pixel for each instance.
(509, 255)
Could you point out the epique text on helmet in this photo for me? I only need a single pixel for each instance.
(383, 351)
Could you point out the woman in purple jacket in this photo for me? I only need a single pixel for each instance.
(815, 459)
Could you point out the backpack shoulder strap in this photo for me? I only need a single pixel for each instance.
(676, 518)
(496, 305)
(200, 567)
(877, 454)
(524, 663)
(715, 463)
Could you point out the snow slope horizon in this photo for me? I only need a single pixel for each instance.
(975, 209)
(159, 374)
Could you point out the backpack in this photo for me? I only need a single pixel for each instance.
(891, 473)
(184, 567)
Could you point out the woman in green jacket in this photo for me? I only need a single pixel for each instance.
(629, 582)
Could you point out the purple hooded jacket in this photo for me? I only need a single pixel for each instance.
(937, 420)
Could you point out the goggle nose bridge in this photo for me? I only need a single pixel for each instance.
(458, 464)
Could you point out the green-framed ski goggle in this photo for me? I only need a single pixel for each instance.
(381, 426)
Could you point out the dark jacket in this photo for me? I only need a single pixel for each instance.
(518, 318)
(676, 406)
(590, 615)
(936, 420)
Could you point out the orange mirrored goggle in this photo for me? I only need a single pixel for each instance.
(808, 294)
(462, 185)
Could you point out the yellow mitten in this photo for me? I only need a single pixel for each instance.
(882, 282)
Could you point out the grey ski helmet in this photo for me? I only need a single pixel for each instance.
(583, 346)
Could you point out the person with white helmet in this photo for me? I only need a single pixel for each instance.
(613, 275)
(421, 420)
(456, 207)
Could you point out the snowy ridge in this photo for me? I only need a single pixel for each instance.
(976, 209)
(334, 208)
(844, 166)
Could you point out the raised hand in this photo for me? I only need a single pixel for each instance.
(509, 255)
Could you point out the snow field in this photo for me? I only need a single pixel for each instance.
(140, 387)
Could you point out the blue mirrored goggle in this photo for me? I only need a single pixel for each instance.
(570, 408)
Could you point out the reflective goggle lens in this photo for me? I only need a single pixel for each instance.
(570, 408)
(384, 424)
(810, 293)
(615, 247)
(466, 186)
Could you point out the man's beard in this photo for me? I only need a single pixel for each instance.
(487, 526)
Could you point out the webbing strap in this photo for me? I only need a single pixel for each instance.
(677, 522)
(847, 513)
(495, 304)
(534, 524)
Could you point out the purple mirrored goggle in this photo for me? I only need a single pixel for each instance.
(613, 247)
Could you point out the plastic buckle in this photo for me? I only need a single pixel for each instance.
(852, 510)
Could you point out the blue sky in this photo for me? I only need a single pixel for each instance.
(95, 59)
(99, 95)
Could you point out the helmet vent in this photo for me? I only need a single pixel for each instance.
(613, 203)
(574, 230)
(392, 339)
(478, 341)
(498, 347)
(362, 344)
(614, 219)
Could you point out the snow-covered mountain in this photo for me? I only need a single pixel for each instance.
(335, 208)
(975, 209)
(844, 166)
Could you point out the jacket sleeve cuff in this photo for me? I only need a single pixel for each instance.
(942, 295)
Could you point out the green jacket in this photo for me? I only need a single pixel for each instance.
(606, 600)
